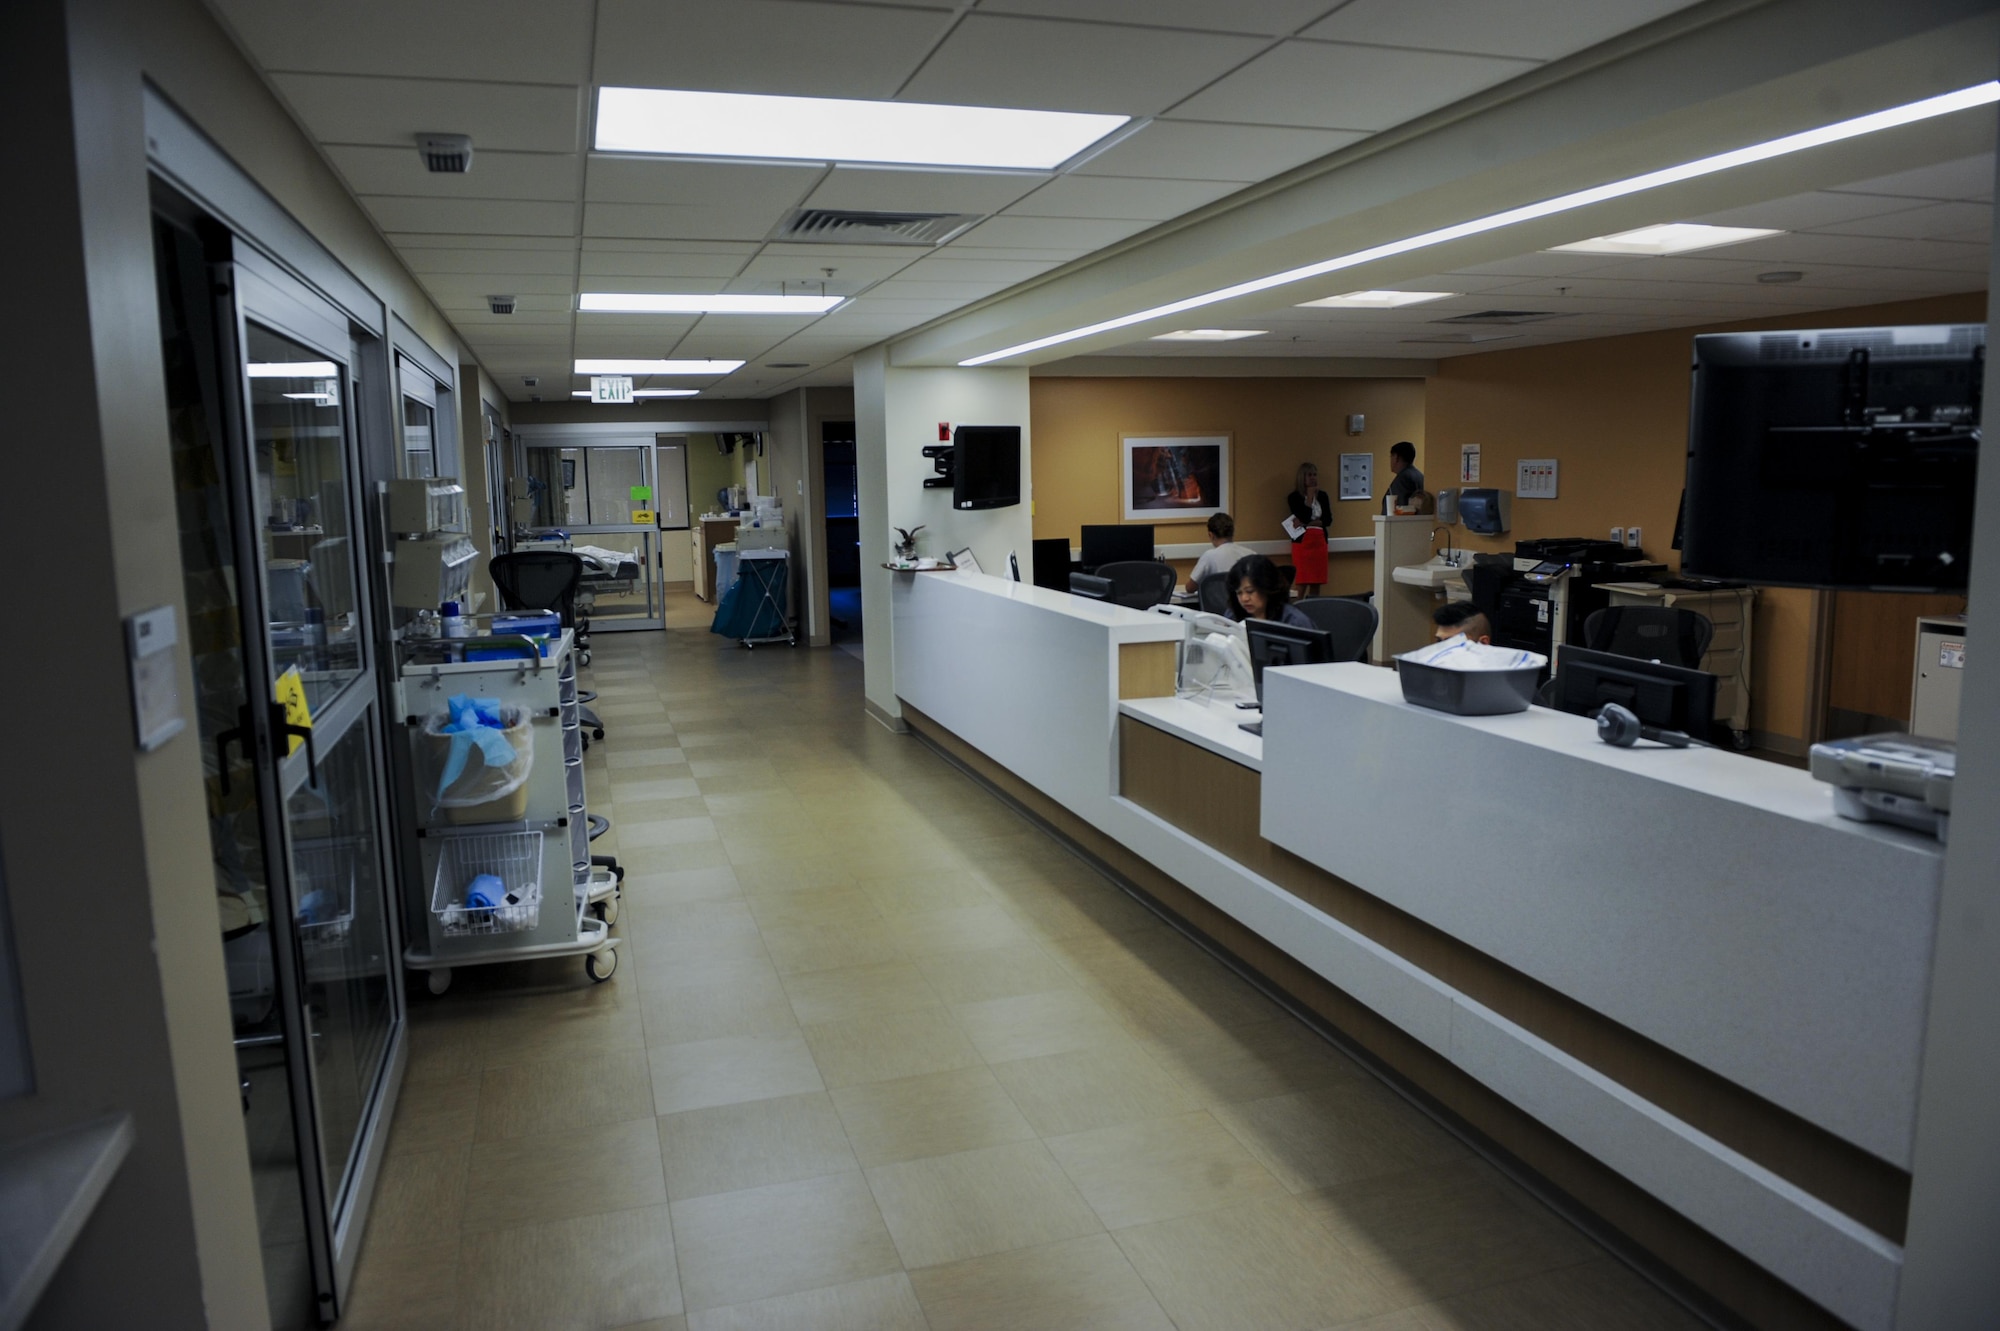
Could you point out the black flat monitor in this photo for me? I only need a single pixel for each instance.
(1114, 544)
(1669, 697)
(1834, 457)
(1276, 644)
(986, 466)
(1090, 586)
(1050, 556)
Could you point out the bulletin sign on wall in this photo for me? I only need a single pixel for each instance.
(1357, 475)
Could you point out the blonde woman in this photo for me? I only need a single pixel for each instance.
(1313, 512)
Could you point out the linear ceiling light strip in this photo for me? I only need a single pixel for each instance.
(1983, 94)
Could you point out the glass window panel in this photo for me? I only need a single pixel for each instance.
(298, 430)
(613, 474)
(419, 443)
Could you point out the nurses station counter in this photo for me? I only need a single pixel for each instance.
(1671, 981)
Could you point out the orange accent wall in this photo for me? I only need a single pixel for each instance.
(1274, 425)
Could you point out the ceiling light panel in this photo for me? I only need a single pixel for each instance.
(1375, 300)
(290, 369)
(628, 366)
(1667, 238)
(628, 302)
(829, 129)
(1209, 334)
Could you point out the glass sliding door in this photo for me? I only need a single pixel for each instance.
(261, 376)
(602, 494)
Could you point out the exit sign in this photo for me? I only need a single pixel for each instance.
(615, 389)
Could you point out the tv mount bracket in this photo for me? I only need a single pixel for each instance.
(944, 461)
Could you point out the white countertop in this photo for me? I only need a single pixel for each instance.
(1125, 625)
(1215, 726)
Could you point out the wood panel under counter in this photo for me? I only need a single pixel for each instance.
(709, 532)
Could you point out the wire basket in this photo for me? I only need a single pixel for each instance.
(515, 858)
(325, 871)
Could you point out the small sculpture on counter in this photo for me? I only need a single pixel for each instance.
(906, 548)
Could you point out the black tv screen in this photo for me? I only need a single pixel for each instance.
(1837, 458)
(986, 466)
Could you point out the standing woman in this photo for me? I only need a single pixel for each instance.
(1313, 514)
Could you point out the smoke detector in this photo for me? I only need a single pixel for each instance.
(500, 304)
(448, 154)
(530, 381)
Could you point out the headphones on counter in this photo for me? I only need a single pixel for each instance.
(1620, 727)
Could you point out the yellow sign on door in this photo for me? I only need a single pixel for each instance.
(291, 691)
(642, 515)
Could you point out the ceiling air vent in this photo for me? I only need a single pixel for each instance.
(840, 226)
(449, 154)
(500, 304)
(1501, 317)
(1461, 339)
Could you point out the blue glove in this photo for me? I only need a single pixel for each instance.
(486, 892)
(474, 722)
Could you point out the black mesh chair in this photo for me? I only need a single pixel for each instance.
(1139, 583)
(548, 580)
(1212, 593)
(1663, 633)
(1350, 622)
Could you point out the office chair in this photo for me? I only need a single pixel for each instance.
(548, 580)
(1212, 593)
(1140, 584)
(1663, 633)
(1350, 622)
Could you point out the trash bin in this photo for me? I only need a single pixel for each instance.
(725, 569)
(479, 791)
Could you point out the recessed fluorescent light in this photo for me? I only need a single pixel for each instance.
(831, 129)
(614, 302)
(291, 369)
(1981, 94)
(317, 399)
(1374, 300)
(1667, 238)
(1209, 334)
(645, 392)
(658, 366)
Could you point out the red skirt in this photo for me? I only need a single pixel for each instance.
(1309, 557)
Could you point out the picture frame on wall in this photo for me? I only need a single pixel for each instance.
(1173, 477)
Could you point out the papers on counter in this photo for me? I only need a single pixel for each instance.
(1461, 653)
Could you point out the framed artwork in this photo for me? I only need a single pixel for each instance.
(1173, 478)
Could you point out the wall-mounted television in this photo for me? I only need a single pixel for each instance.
(1838, 457)
(986, 466)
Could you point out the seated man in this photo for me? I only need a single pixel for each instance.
(1222, 554)
(1456, 617)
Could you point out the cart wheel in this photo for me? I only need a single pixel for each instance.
(600, 966)
(598, 733)
(439, 980)
(607, 909)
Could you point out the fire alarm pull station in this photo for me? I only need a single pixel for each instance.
(944, 432)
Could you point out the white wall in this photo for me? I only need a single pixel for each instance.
(897, 412)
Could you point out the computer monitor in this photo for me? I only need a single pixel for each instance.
(1090, 586)
(1110, 545)
(1050, 556)
(1667, 696)
(1276, 644)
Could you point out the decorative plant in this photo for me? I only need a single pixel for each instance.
(906, 548)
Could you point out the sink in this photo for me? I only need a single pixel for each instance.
(1434, 574)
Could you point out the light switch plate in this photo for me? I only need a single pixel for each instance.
(1535, 478)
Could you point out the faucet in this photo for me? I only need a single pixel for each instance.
(1448, 558)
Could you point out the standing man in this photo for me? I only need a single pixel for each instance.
(1407, 479)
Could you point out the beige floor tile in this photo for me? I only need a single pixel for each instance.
(672, 889)
(663, 953)
(880, 1303)
(1445, 1230)
(1033, 1025)
(1259, 1266)
(859, 991)
(447, 1039)
(649, 810)
(434, 1115)
(666, 832)
(941, 1113)
(640, 786)
(731, 1147)
(1092, 1088)
(889, 1045)
(620, 759)
(763, 847)
(581, 1274)
(799, 948)
(731, 1070)
(791, 876)
(1591, 1297)
(709, 918)
(558, 1175)
(738, 1247)
(751, 1004)
(1086, 909)
(830, 905)
(410, 1285)
(942, 890)
(1158, 1168)
(1250, 1062)
(738, 783)
(419, 1197)
(947, 1208)
(669, 859)
(1338, 1134)
(932, 931)
(524, 1099)
(993, 972)
(1076, 1283)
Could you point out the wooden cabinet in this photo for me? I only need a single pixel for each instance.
(707, 534)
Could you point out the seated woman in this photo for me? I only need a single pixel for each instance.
(1260, 593)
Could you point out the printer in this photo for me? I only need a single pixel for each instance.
(1538, 598)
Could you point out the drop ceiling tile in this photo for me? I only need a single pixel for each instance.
(962, 251)
(1530, 29)
(550, 308)
(1535, 263)
(1965, 178)
(499, 217)
(721, 222)
(1926, 223)
(848, 273)
(1047, 65)
(869, 189)
(490, 263)
(677, 284)
(1804, 212)
(601, 269)
(1271, 18)
(915, 309)
(411, 242)
(1791, 249)
(945, 268)
(726, 346)
(1122, 197)
(1053, 232)
(473, 288)
(1928, 254)
(959, 293)
(700, 184)
(635, 345)
(523, 41)
(1346, 87)
(762, 46)
(494, 175)
(339, 108)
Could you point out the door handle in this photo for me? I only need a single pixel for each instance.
(225, 738)
(283, 729)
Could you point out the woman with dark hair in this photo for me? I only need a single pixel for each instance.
(1258, 592)
(1312, 517)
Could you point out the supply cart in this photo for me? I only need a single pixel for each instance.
(548, 896)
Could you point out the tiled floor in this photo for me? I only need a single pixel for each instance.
(880, 1055)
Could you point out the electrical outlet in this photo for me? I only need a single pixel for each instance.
(1618, 536)
(1632, 538)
